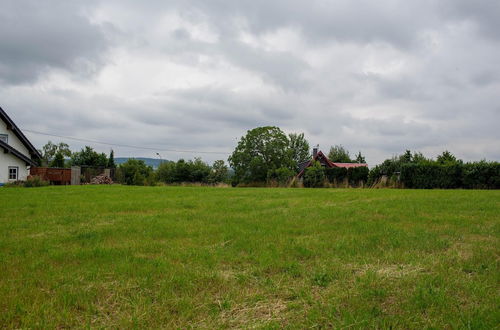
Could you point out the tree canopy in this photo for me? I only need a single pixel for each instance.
(299, 149)
(339, 154)
(261, 150)
(89, 157)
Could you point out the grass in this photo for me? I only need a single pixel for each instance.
(181, 257)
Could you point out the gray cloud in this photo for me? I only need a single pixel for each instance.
(379, 77)
(38, 37)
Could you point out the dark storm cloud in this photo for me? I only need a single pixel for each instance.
(39, 36)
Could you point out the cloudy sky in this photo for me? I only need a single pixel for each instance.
(376, 76)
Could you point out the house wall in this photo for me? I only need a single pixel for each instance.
(7, 160)
(13, 140)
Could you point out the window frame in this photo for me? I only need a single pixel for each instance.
(6, 137)
(16, 168)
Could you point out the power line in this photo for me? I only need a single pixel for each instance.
(126, 145)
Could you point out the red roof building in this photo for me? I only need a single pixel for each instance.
(325, 162)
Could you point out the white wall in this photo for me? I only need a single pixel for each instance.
(13, 140)
(7, 160)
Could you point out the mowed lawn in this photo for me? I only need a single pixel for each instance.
(193, 257)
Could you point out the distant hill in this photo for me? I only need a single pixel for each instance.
(153, 162)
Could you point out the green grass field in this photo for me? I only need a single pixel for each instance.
(115, 256)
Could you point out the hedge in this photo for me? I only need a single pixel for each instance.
(429, 175)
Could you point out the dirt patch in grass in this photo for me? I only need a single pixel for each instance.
(254, 315)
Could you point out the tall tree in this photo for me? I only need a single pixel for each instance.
(49, 151)
(360, 158)
(89, 157)
(446, 158)
(299, 149)
(261, 150)
(339, 154)
(58, 160)
(219, 172)
(111, 159)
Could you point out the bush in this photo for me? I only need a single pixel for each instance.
(282, 176)
(32, 181)
(451, 175)
(135, 172)
(35, 181)
(314, 176)
(190, 171)
(336, 174)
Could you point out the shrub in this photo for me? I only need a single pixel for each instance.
(135, 172)
(35, 181)
(32, 181)
(282, 176)
(314, 176)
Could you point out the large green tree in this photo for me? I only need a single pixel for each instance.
(339, 154)
(299, 149)
(261, 150)
(89, 157)
(50, 150)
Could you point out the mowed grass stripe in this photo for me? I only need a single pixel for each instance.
(116, 256)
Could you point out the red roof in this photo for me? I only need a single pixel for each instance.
(329, 163)
(349, 165)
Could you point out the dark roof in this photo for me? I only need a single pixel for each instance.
(328, 163)
(13, 127)
(9, 149)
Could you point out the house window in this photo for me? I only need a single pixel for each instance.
(13, 172)
(4, 138)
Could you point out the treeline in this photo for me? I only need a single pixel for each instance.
(266, 156)
(445, 172)
(136, 172)
(317, 176)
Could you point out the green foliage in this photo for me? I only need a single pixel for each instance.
(336, 174)
(314, 176)
(339, 154)
(135, 172)
(191, 171)
(89, 157)
(299, 149)
(446, 172)
(357, 175)
(481, 175)
(50, 150)
(261, 150)
(111, 159)
(219, 172)
(58, 160)
(430, 174)
(31, 181)
(35, 181)
(360, 158)
(354, 175)
(447, 158)
(282, 176)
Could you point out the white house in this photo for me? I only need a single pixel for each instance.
(17, 153)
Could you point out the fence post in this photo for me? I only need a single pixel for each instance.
(75, 175)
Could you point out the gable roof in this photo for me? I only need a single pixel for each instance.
(17, 132)
(9, 149)
(321, 156)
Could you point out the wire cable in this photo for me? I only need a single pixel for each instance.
(126, 145)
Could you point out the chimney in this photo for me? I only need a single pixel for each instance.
(315, 151)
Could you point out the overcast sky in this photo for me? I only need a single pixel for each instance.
(375, 76)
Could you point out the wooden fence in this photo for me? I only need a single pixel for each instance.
(54, 175)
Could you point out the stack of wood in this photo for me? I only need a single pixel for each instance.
(101, 179)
